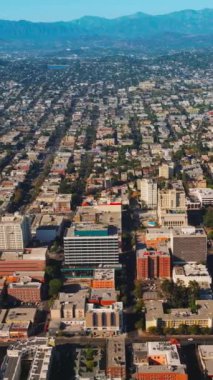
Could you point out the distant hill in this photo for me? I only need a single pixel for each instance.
(174, 26)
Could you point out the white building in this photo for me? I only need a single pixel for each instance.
(149, 193)
(205, 196)
(91, 246)
(192, 272)
(14, 232)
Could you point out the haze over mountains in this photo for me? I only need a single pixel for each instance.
(179, 30)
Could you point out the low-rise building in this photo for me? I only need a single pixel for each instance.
(25, 292)
(116, 359)
(205, 353)
(157, 317)
(189, 244)
(103, 278)
(157, 361)
(192, 272)
(105, 320)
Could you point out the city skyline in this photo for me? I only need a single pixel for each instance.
(52, 10)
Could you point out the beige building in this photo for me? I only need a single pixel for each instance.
(14, 232)
(107, 319)
(172, 208)
(156, 317)
(69, 310)
(166, 171)
(171, 199)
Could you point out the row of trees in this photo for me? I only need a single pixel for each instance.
(181, 330)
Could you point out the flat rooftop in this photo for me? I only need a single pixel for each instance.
(104, 274)
(21, 315)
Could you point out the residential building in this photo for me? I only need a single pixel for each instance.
(156, 317)
(166, 170)
(14, 232)
(149, 193)
(153, 264)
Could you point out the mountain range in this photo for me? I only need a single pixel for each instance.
(186, 28)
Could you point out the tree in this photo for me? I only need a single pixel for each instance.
(54, 287)
(183, 329)
(153, 330)
(50, 271)
(208, 218)
(194, 330)
(140, 324)
(138, 289)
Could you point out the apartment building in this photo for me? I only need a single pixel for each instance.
(153, 264)
(14, 232)
(156, 317)
(166, 171)
(149, 193)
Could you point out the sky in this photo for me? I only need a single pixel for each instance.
(65, 10)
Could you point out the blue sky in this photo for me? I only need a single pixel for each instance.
(54, 10)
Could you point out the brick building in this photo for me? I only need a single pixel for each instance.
(25, 292)
(153, 264)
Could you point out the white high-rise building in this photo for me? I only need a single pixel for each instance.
(91, 246)
(14, 232)
(149, 193)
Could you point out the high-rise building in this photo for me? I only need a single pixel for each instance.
(91, 246)
(14, 232)
(149, 193)
(153, 264)
(171, 199)
(166, 170)
(172, 208)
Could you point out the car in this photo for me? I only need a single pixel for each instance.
(190, 339)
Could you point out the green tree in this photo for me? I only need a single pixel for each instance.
(208, 218)
(54, 287)
(138, 289)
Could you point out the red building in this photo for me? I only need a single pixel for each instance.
(25, 292)
(153, 264)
